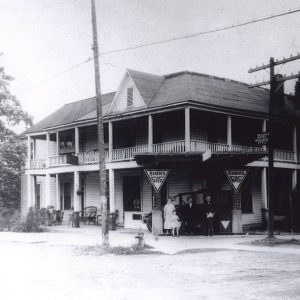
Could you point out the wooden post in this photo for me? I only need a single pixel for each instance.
(76, 140)
(48, 191)
(77, 203)
(112, 190)
(187, 128)
(150, 133)
(295, 150)
(29, 191)
(57, 192)
(157, 218)
(229, 133)
(237, 226)
(102, 167)
(110, 140)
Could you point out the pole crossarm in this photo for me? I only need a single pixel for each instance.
(284, 78)
(276, 63)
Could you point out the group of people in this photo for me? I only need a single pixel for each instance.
(172, 222)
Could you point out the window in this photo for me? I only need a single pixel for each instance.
(129, 96)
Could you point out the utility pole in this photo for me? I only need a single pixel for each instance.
(274, 80)
(102, 167)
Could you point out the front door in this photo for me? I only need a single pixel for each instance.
(67, 196)
(131, 193)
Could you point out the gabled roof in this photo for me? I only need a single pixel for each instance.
(147, 84)
(159, 91)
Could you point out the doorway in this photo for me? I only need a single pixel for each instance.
(66, 196)
(132, 193)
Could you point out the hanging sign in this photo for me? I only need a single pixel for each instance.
(157, 178)
(236, 178)
(262, 139)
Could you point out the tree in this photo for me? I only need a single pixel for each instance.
(12, 150)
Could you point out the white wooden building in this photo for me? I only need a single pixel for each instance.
(164, 122)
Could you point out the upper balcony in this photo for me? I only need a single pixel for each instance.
(177, 132)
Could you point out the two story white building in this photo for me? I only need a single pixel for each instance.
(193, 124)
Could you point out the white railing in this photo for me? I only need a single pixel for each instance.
(240, 148)
(38, 164)
(201, 146)
(57, 160)
(128, 153)
(283, 155)
(92, 157)
(177, 146)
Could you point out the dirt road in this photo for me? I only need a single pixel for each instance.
(32, 269)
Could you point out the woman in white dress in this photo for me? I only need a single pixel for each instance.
(168, 210)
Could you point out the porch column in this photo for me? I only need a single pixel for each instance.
(57, 192)
(77, 199)
(29, 191)
(237, 225)
(57, 143)
(264, 188)
(76, 140)
(47, 148)
(229, 133)
(150, 133)
(48, 190)
(110, 140)
(187, 128)
(295, 150)
(264, 129)
(294, 179)
(28, 151)
(33, 190)
(112, 206)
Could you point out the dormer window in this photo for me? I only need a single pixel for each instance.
(129, 96)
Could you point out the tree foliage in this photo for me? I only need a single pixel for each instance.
(12, 150)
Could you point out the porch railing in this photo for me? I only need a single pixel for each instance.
(168, 147)
(128, 153)
(202, 146)
(38, 164)
(57, 160)
(284, 155)
(176, 146)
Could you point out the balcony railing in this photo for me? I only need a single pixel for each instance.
(38, 164)
(92, 157)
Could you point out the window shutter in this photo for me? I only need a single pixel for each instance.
(130, 96)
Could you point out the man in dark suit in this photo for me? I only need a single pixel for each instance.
(190, 217)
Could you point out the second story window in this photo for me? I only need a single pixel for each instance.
(129, 96)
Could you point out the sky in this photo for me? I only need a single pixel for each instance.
(41, 39)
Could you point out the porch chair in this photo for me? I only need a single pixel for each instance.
(89, 215)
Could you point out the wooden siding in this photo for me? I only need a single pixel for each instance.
(255, 217)
(92, 190)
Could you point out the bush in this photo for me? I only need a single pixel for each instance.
(9, 219)
(34, 220)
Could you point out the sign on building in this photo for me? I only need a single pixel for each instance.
(236, 178)
(262, 139)
(157, 178)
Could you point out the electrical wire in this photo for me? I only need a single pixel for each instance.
(163, 42)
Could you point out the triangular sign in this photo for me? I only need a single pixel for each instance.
(225, 224)
(236, 178)
(157, 178)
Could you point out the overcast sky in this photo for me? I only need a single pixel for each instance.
(42, 38)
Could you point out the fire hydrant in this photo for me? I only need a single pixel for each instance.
(140, 238)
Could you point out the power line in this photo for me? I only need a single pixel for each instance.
(203, 32)
(163, 42)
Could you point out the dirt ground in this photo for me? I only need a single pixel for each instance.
(49, 266)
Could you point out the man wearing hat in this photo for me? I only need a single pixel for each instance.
(209, 216)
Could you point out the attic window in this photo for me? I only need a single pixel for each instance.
(129, 96)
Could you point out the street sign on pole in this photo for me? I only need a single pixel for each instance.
(236, 178)
(157, 178)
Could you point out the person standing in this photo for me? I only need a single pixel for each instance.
(190, 217)
(168, 211)
(175, 224)
(209, 216)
